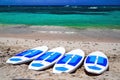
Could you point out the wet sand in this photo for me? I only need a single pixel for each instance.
(18, 38)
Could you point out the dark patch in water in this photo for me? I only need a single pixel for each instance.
(60, 10)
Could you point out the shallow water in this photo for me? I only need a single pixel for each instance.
(80, 17)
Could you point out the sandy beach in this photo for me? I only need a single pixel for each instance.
(16, 38)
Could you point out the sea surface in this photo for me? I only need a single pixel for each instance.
(74, 16)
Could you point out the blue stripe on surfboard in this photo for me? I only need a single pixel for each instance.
(24, 53)
(64, 59)
(102, 61)
(43, 56)
(61, 68)
(53, 57)
(37, 64)
(29, 53)
(94, 68)
(91, 59)
(34, 53)
(15, 59)
(75, 60)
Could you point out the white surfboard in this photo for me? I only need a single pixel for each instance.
(96, 62)
(27, 55)
(47, 59)
(69, 62)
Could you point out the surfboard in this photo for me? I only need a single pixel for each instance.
(96, 62)
(47, 59)
(69, 62)
(27, 55)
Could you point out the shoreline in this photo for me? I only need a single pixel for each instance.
(109, 27)
(61, 33)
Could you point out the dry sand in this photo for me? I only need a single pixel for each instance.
(15, 39)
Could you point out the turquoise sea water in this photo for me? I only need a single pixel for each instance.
(70, 17)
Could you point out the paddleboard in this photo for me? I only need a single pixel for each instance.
(27, 55)
(96, 62)
(69, 62)
(47, 59)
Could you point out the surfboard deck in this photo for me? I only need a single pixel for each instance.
(27, 55)
(47, 59)
(96, 62)
(69, 62)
